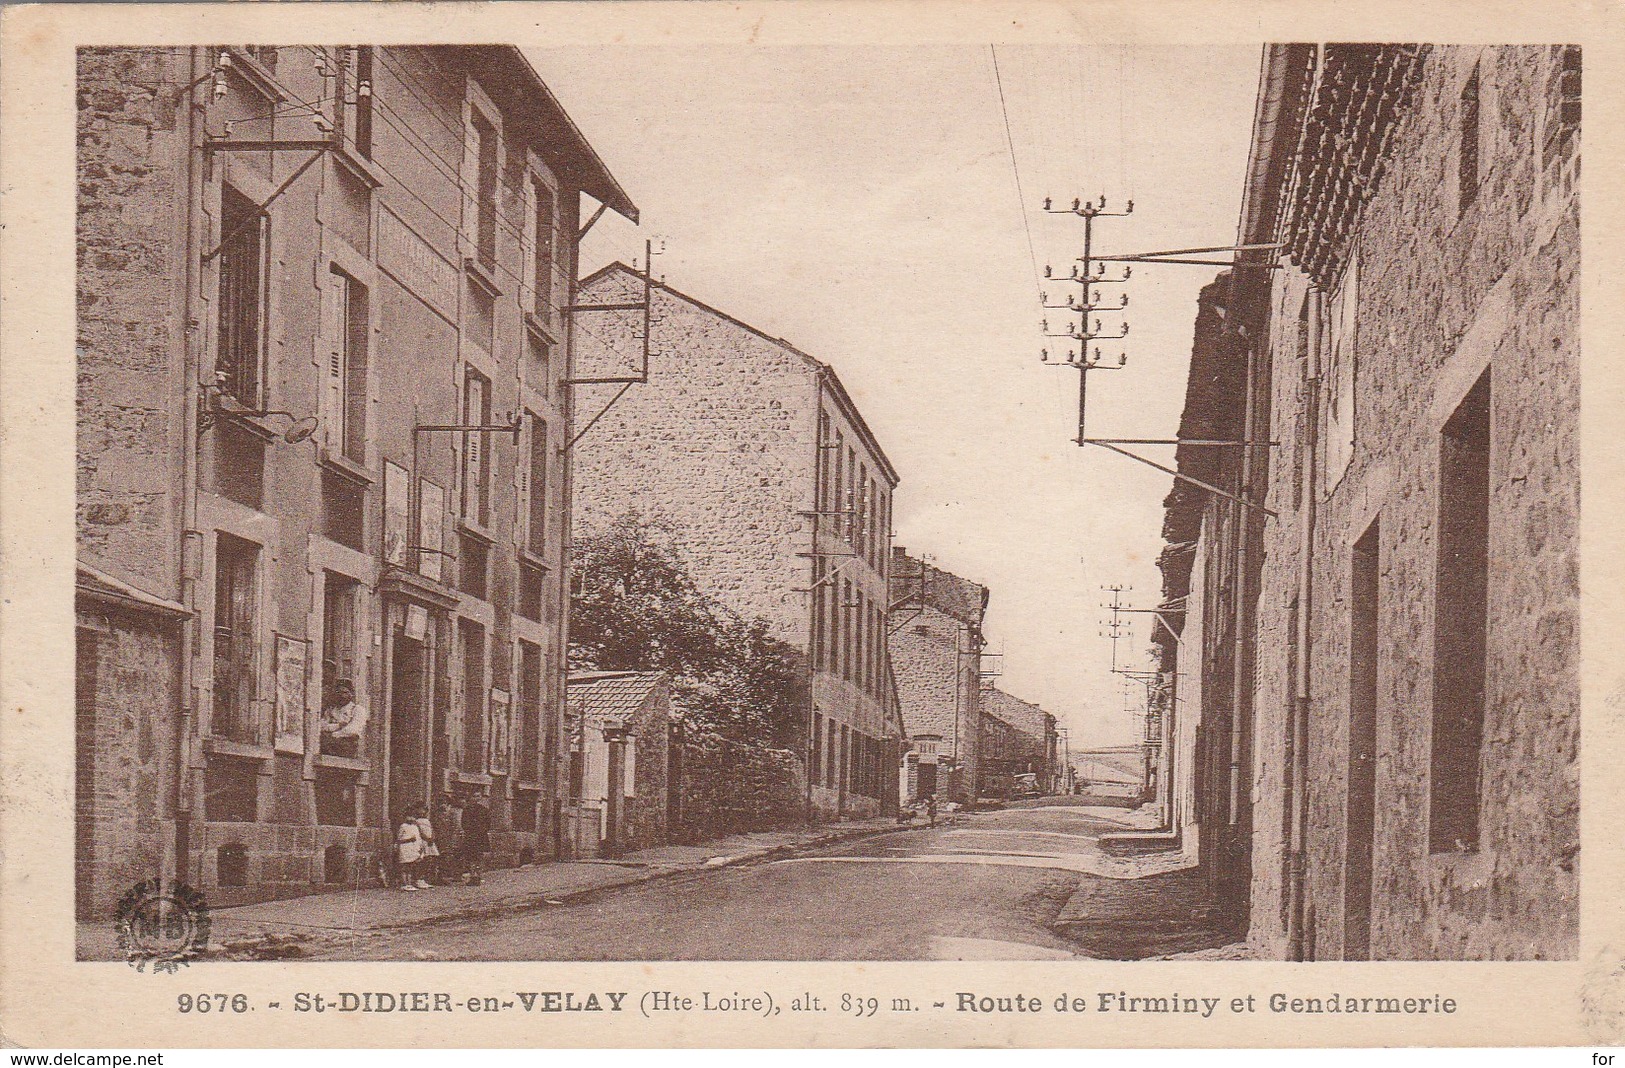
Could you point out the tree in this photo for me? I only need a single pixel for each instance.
(740, 692)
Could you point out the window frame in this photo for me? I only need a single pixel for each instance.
(236, 207)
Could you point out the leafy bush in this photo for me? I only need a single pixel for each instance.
(739, 693)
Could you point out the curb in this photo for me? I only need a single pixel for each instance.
(287, 943)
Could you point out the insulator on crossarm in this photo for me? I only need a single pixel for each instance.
(1125, 300)
(1047, 270)
(1131, 207)
(1046, 203)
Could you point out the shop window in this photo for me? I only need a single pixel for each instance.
(1461, 623)
(235, 612)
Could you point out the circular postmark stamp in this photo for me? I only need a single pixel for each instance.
(162, 924)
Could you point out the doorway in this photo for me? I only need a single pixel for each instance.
(927, 781)
(408, 725)
(1362, 754)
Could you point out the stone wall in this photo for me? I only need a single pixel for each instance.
(130, 226)
(720, 442)
(939, 694)
(127, 698)
(1015, 733)
(1444, 293)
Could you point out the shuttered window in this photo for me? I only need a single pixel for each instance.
(241, 304)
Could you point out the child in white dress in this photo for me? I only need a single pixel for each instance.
(408, 851)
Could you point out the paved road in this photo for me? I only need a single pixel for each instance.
(984, 888)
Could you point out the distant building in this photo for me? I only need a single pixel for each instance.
(1387, 667)
(755, 452)
(619, 726)
(1018, 738)
(277, 300)
(936, 651)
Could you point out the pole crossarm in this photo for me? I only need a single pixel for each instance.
(1104, 444)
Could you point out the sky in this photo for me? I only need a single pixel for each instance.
(861, 202)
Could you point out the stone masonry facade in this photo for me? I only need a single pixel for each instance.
(269, 309)
(755, 454)
(1412, 714)
(936, 644)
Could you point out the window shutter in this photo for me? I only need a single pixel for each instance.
(334, 303)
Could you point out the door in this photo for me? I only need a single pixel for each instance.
(1362, 756)
(927, 781)
(408, 725)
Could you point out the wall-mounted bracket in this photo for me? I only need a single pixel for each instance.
(1105, 443)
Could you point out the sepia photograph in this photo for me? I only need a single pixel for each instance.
(464, 574)
(808, 524)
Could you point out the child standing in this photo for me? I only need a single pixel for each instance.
(408, 851)
(429, 864)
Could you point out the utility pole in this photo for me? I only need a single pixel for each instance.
(1088, 273)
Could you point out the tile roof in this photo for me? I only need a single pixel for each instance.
(605, 695)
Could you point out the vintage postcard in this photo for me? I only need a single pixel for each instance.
(811, 524)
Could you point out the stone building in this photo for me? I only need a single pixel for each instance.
(619, 726)
(1403, 694)
(936, 650)
(755, 454)
(1018, 738)
(1202, 744)
(282, 307)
